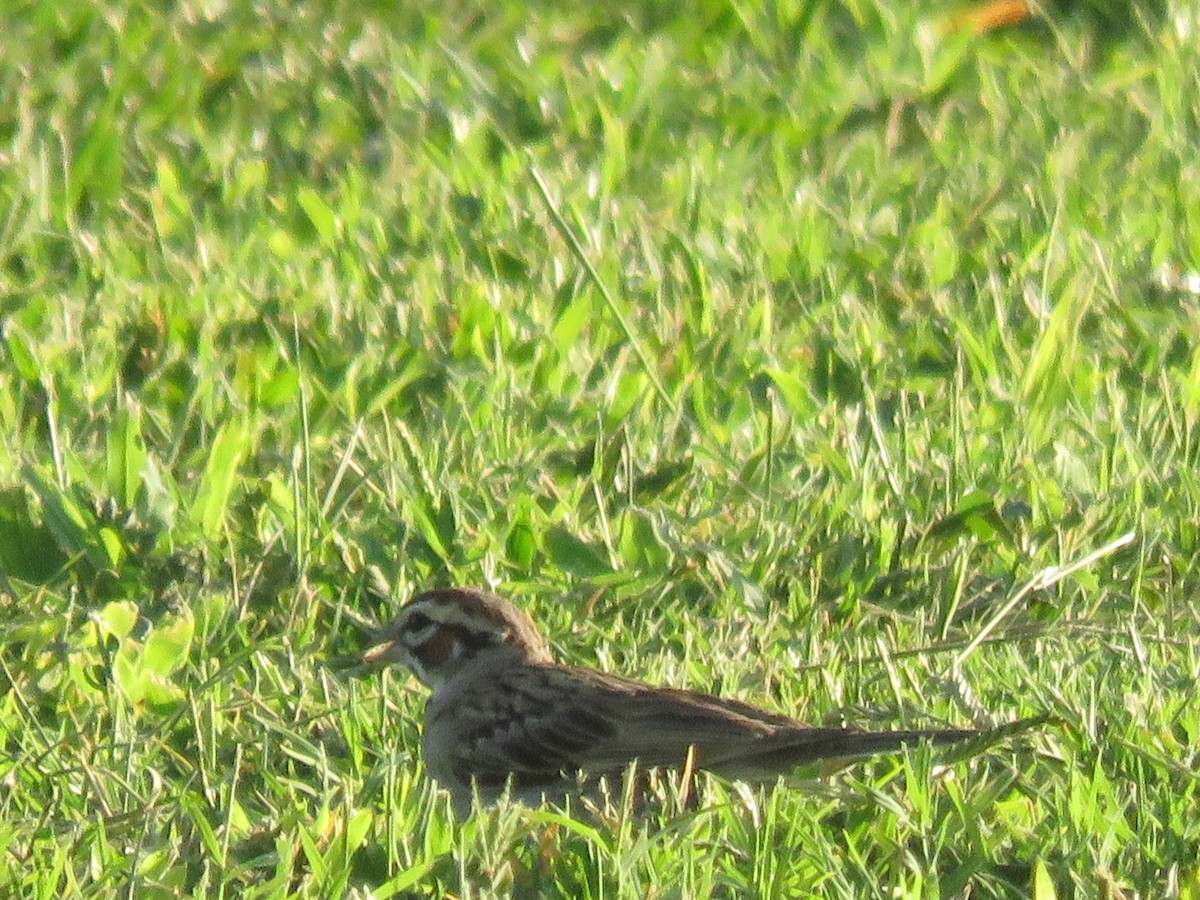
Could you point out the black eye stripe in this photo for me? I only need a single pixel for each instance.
(444, 635)
(418, 621)
(476, 641)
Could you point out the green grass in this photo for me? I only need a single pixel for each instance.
(780, 352)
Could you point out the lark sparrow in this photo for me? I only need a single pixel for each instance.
(503, 713)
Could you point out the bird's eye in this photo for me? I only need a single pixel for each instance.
(417, 628)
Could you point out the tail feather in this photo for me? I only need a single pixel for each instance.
(788, 749)
(860, 743)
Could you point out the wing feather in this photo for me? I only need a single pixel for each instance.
(559, 720)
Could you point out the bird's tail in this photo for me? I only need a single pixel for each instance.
(804, 745)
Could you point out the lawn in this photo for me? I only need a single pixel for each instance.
(840, 358)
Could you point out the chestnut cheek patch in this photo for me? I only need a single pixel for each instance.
(444, 644)
(450, 643)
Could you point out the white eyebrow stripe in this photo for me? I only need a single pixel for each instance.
(415, 638)
(455, 617)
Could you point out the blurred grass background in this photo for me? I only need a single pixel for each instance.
(781, 350)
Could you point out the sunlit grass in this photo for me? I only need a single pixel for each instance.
(773, 352)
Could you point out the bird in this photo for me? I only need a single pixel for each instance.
(503, 716)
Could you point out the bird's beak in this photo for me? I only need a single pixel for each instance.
(384, 652)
